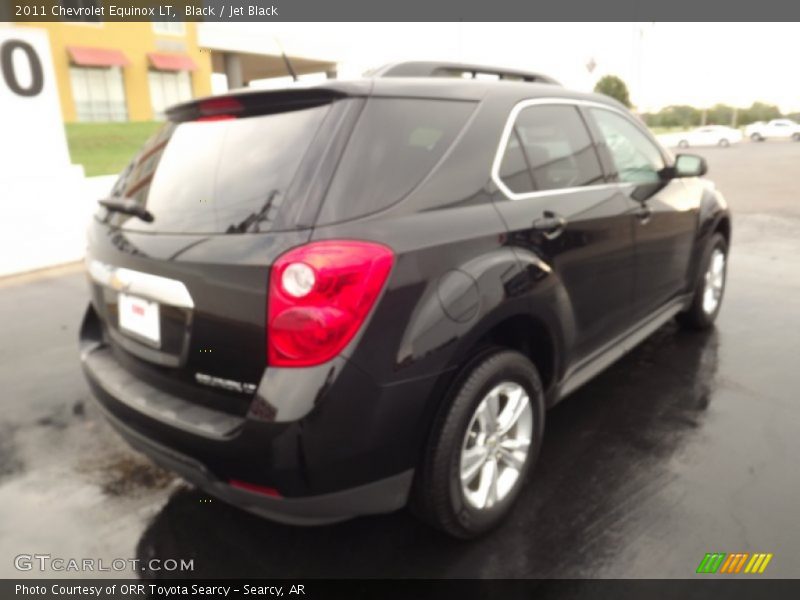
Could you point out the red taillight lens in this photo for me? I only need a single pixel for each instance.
(319, 296)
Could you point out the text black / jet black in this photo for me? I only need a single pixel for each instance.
(335, 301)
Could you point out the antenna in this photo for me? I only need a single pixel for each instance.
(286, 60)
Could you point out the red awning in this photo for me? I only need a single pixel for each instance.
(171, 62)
(85, 56)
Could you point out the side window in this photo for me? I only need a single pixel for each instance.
(636, 158)
(393, 147)
(549, 148)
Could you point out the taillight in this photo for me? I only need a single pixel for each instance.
(319, 296)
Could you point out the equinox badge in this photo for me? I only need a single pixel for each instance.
(226, 384)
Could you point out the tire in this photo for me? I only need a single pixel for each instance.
(702, 313)
(756, 137)
(796, 137)
(439, 497)
(683, 144)
(724, 143)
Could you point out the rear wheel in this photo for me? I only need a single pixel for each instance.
(683, 144)
(724, 143)
(709, 287)
(756, 137)
(796, 137)
(482, 446)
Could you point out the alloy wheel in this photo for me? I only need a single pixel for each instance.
(496, 445)
(714, 281)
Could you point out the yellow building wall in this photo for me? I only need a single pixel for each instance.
(135, 40)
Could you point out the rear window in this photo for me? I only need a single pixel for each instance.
(225, 176)
(394, 145)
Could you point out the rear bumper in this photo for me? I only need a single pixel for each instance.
(382, 496)
(333, 446)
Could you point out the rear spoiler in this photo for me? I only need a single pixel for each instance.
(442, 69)
(251, 103)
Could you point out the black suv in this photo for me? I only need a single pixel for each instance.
(333, 301)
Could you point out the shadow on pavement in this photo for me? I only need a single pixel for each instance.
(607, 453)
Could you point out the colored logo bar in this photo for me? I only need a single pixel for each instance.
(736, 562)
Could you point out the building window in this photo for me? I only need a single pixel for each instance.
(169, 27)
(84, 6)
(168, 88)
(99, 93)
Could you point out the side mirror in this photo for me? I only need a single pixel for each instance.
(690, 165)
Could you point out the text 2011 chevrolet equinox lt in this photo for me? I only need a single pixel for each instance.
(341, 300)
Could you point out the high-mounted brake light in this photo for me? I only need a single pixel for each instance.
(319, 296)
(216, 118)
(219, 109)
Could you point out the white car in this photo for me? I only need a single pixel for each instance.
(777, 129)
(709, 135)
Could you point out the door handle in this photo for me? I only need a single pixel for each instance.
(550, 225)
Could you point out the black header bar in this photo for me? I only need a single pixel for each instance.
(401, 10)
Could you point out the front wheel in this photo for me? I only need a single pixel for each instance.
(683, 144)
(796, 137)
(724, 143)
(756, 137)
(482, 446)
(709, 287)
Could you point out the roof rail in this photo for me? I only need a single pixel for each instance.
(442, 69)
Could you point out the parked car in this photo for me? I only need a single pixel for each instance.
(777, 129)
(711, 135)
(336, 301)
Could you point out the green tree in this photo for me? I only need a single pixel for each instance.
(759, 111)
(720, 114)
(679, 115)
(651, 119)
(613, 86)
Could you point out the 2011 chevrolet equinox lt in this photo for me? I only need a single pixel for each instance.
(339, 300)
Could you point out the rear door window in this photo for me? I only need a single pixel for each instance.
(225, 176)
(549, 148)
(394, 145)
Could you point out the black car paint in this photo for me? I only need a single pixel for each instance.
(468, 272)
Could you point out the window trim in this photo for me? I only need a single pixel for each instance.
(577, 103)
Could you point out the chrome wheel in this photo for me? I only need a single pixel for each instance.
(715, 282)
(496, 445)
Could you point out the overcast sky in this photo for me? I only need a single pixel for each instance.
(663, 63)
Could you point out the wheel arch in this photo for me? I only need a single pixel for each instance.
(714, 217)
(723, 226)
(531, 333)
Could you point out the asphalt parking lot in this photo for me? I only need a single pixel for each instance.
(688, 445)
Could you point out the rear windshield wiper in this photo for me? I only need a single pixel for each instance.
(128, 208)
